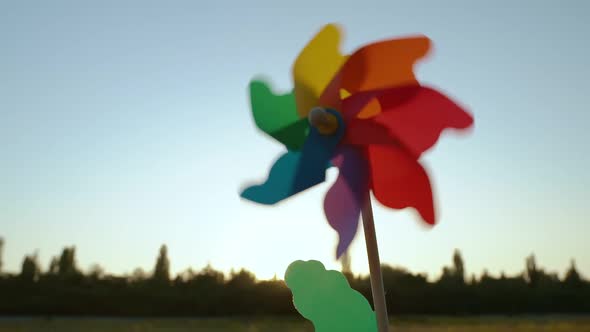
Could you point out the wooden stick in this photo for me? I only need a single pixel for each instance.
(375, 267)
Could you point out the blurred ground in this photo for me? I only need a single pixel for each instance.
(405, 324)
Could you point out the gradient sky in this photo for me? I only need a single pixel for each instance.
(126, 124)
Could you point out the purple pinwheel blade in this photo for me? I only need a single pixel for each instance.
(344, 200)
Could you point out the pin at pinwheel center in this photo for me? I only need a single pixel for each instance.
(325, 122)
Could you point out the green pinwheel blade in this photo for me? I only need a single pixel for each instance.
(277, 115)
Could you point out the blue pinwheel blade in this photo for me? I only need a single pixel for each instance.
(280, 182)
(296, 171)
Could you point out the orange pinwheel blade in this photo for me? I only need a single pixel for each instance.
(377, 66)
(384, 64)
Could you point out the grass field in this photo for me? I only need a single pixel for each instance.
(409, 324)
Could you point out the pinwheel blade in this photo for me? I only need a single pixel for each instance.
(344, 200)
(296, 171)
(399, 181)
(384, 64)
(281, 181)
(413, 116)
(376, 66)
(277, 116)
(315, 67)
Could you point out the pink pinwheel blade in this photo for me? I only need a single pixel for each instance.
(343, 202)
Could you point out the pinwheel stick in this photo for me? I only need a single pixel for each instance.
(327, 124)
(375, 267)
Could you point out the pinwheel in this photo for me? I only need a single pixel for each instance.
(372, 120)
(367, 115)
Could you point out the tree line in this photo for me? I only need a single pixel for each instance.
(64, 289)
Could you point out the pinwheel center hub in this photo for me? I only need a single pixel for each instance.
(325, 122)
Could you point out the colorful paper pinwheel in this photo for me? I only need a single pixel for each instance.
(371, 118)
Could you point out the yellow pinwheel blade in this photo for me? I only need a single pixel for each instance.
(315, 67)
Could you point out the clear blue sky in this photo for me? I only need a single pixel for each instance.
(126, 124)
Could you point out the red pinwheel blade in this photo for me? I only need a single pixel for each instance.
(414, 116)
(399, 181)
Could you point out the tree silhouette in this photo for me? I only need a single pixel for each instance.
(532, 273)
(242, 279)
(459, 269)
(138, 275)
(67, 263)
(456, 273)
(30, 270)
(162, 269)
(210, 276)
(54, 266)
(209, 292)
(96, 272)
(572, 277)
(447, 273)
